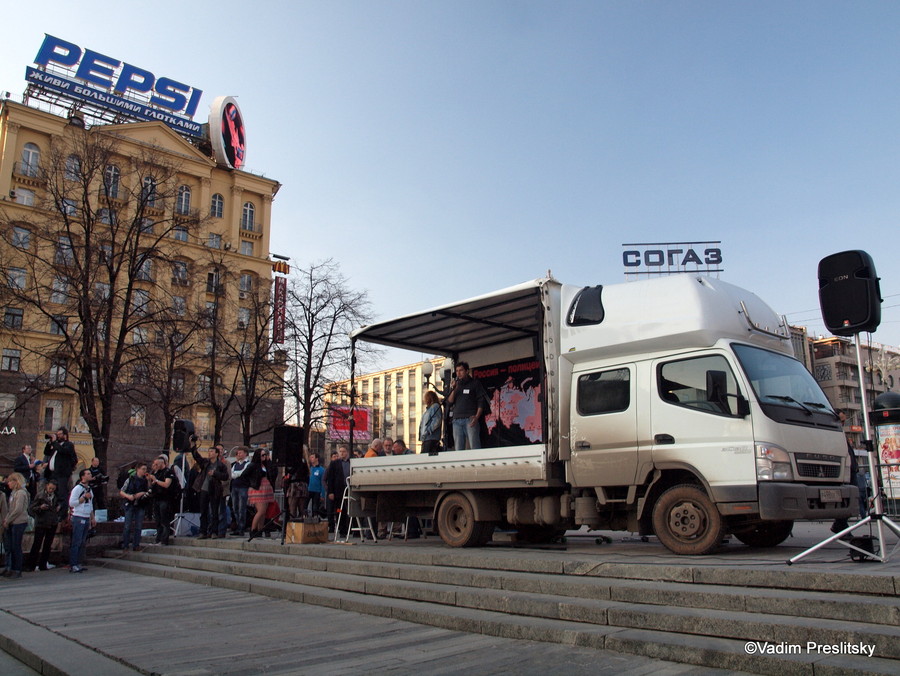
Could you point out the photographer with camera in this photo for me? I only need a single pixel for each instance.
(81, 502)
(98, 483)
(136, 494)
(60, 456)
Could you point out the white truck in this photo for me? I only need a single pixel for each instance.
(672, 406)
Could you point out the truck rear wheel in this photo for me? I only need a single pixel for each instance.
(457, 525)
(687, 522)
(766, 534)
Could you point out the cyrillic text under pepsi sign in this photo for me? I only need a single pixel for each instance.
(117, 77)
(134, 109)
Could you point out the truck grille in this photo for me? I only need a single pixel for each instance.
(812, 470)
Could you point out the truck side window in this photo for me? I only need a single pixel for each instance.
(604, 392)
(703, 383)
(586, 307)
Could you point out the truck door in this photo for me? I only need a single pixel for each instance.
(700, 421)
(604, 427)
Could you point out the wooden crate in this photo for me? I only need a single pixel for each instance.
(299, 533)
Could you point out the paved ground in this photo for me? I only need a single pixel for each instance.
(133, 623)
(108, 622)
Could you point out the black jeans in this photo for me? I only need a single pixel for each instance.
(162, 517)
(210, 504)
(40, 547)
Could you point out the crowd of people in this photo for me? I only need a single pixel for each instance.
(234, 494)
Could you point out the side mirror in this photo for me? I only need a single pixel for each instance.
(743, 407)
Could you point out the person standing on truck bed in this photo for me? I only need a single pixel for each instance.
(468, 400)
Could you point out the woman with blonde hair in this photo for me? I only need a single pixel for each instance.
(14, 523)
(430, 427)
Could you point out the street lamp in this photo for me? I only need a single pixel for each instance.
(427, 370)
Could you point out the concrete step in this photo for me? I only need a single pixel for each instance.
(727, 653)
(837, 606)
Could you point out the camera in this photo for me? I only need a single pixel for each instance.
(48, 437)
(194, 437)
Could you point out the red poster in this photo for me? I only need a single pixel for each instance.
(279, 310)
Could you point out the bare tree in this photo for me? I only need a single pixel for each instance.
(81, 263)
(322, 309)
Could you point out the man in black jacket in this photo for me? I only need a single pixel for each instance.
(59, 453)
(211, 472)
(336, 481)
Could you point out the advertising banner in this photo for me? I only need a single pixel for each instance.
(516, 394)
(339, 424)
(279, 309)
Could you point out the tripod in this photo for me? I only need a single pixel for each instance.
(181, 477)
(876, 514)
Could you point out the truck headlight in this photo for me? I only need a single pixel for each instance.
(773, 463)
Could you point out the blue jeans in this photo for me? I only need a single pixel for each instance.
(239, 507)
(12, 542)
(134, 520)
(80, 527)
(463, 431)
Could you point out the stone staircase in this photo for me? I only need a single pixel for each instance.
(728, 617)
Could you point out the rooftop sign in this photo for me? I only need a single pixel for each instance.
(668, 258)
(67, 70)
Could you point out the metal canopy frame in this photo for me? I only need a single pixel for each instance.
(501, 317)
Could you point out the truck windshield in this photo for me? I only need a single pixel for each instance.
(786, 391)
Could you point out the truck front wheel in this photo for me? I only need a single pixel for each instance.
(457, 525)
(687, 522)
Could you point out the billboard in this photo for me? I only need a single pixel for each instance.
(65, 70)
(339, 418)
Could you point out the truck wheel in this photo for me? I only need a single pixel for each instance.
(686, 521)
(457, 525)
(767, 534)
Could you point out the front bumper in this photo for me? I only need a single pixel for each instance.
(783, 501)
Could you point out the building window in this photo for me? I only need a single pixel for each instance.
(21, 238)
(15, 278)
(12, 317)
(145, 271)
(101, 291)
(64, 253)
(58, 325)
(180, 233)
(53, 410)
(139, 335)
(183, 200)
(179, 273)
(31, 159)
(179, 306)
(106, 216)
(149, 194)
(140, 302)
(138, 417)
(7, 405)
(69, 207)
(203, 385)
(24, 197)
(11, 360)
(73, 168)
(248, 217)
(58, 372)
(147, 226)
(213, 281)
(214, 241)
(217, 206)
(60, 291)
(246, 247)
(245, 285)
(243, 317)
(208, 315)
(111, 177)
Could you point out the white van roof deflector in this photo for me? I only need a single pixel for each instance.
(495, 318)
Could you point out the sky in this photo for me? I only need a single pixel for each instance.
(441, 150)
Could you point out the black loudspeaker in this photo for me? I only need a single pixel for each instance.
(181, 437)
(287, 445)
(849, 293)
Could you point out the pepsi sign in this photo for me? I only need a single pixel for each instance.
(112, 83)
